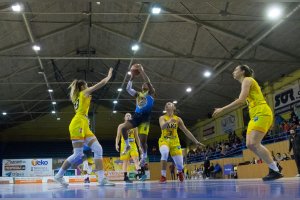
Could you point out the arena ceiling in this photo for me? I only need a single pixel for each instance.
(82, 39)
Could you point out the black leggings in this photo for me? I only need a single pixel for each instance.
(297, 158)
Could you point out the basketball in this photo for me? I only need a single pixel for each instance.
(134, 70)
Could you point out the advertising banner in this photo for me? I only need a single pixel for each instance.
(26, 167)
(287, 98)
(228, 123)
(208, 130)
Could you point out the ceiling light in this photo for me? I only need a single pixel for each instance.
(119, 89)
(175, 102)
(189, 89)
(4, 113)
(164, 111)
(114, 111)
(207, 74)
(50, 90)
(53, 112)
(115, 101)
(58, 119)
(54, 103)
(155, 10)
(98, 2)
(274, 12)
(129, 73)
(135, 47)
(16, 7)
(36, 48)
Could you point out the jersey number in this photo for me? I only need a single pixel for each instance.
(76, 104)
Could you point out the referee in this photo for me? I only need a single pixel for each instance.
(294, 141)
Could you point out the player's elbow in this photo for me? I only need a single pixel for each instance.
(240, 101)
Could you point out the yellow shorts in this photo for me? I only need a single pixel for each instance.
(144, 128)
(90, 160)
(132, 153)
(261, 119)
(173, 144)
(79, 128)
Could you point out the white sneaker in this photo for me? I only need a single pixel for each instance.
(143, 177)
(61, 181)
(127, 148)
(105, 182)
(298, 175)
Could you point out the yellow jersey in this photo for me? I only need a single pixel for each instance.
(131, 137)
(82, 104)
(255, 96)
(171, 130)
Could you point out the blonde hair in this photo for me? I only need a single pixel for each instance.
(75, 89)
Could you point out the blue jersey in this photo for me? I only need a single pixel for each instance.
(144, 103)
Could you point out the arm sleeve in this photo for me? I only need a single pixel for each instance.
(129, 89)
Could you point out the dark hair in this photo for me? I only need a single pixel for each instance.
(80, 83)
(248, 72)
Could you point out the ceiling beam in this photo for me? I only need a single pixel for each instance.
(157, 58)
(46, 36)
(227, 33)
(256, 40)
(148, 44)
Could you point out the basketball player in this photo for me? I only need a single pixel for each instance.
(80, 132)
(169, 141)
(141, 117)
(261, 117)
(133, 152)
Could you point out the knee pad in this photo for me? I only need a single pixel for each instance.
(178, 160)
(164, 151)
(76, 157)
(97, 149)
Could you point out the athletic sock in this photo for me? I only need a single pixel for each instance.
(273, 166)
(100, 175)
(61, 172)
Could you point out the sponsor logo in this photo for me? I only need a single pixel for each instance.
(14, 174)
(14, 167)
(285, 97)
(13, 162)
(8, 174)
(39, 162)
(255, 119)
(228, 120)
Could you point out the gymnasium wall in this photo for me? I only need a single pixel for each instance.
(257, 170)
(278, 147)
